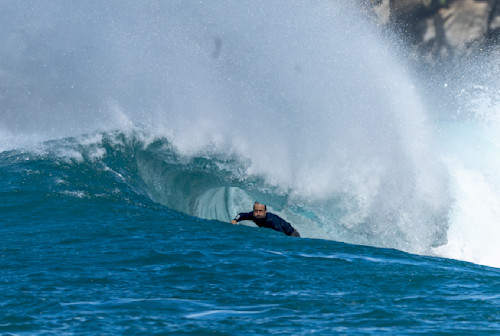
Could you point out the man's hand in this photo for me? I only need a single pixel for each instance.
(234, 222)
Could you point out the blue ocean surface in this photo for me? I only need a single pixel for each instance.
(85, 251)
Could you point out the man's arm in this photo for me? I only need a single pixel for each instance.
(295, 233)
(242, 216)
(289, 229)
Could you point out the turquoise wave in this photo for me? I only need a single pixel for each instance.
(118, 166)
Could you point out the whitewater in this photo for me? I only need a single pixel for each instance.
(132, 133)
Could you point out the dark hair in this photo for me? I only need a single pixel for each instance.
(265, 206)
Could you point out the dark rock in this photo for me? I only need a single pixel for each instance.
(439, 29)
(494, 23)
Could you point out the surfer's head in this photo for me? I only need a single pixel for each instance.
(259, 210)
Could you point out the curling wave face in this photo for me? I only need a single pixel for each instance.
(208, 185)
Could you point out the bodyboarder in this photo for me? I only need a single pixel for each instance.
(262, 218)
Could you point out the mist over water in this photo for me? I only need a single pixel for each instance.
(307, 95)
(468, 102)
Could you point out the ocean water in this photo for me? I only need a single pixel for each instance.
(131, 133)
(85, 250)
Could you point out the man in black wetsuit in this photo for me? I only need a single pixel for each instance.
(262, 218)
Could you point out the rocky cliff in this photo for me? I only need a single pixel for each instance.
(442, 29)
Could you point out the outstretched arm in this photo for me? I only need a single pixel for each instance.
(288, 229)
(295, 233)
(242, 216)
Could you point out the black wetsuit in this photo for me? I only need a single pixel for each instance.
(271, 221)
